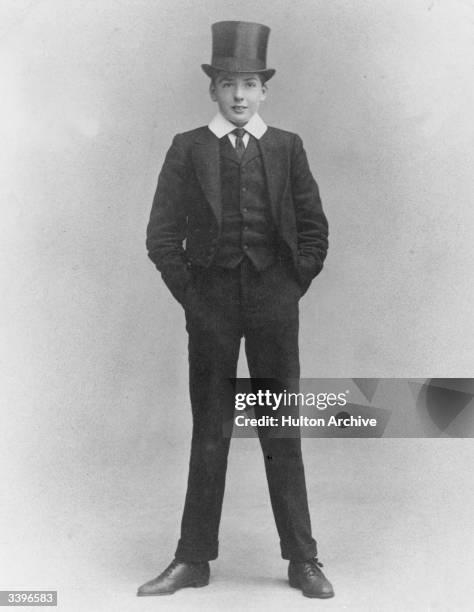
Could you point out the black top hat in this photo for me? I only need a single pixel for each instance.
(239, 46)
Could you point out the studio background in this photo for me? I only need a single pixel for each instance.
(95, 411)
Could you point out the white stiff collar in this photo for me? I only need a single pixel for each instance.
(220, 126)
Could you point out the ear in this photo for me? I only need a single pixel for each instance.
(212, 91)
(264, 91)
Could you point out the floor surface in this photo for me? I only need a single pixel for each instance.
(393, 520)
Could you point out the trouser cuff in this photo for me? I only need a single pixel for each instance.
(301, 554)
(192, 553)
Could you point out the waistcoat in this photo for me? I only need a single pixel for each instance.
(247, 229)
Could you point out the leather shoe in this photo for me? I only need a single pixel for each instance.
(177, 576)
(310, 579)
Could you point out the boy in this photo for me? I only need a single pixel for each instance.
(243, 198)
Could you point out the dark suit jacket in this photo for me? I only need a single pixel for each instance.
(185, 220)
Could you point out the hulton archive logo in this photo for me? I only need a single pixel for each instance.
(306, 407)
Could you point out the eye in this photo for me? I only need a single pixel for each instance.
(251, 84)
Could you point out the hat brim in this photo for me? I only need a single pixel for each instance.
(211, 71)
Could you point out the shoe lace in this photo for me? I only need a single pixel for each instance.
(311, 567)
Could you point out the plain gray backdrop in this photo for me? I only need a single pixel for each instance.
(95, 411)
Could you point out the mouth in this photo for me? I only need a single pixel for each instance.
(239, 109)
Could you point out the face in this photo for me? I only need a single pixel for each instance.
(238, 95)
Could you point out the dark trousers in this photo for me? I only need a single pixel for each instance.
(223, 306)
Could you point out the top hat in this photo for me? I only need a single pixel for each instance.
(239, 46)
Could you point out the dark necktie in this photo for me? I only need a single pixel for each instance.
(239, 141)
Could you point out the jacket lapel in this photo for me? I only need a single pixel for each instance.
(277, 170)
(205, 155)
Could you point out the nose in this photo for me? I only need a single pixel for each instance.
(238, 95)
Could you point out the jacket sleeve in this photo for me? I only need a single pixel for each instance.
(167, 226)
(311, 222)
